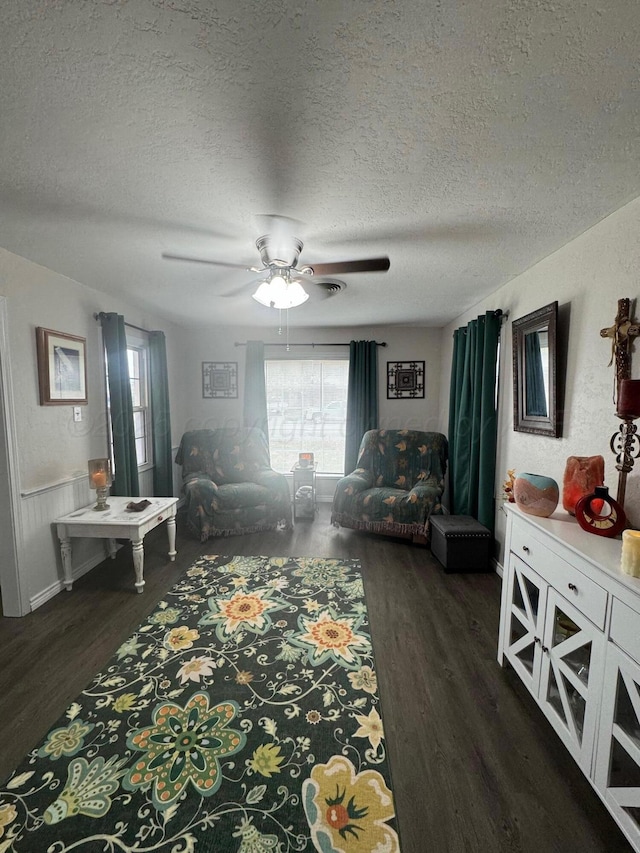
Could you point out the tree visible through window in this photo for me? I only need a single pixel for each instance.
(307, 408)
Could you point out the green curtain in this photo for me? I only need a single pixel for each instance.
(362, 398)
(473, 418)
(160, 416)
(535, 396)
(122, 429)
(255, 389)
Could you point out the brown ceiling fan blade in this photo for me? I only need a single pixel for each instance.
(343, 267)
(169, 257)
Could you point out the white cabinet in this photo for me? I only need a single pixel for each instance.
(570, 628)
(558, 653)
(617, 771)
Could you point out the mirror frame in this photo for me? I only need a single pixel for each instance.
(543, 318)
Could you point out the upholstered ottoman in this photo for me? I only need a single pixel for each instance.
(460, 543)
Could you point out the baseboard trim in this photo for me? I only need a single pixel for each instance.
(53, 589)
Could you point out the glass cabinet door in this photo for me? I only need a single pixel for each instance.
(526, 596)
(618, 759)
(572, 659)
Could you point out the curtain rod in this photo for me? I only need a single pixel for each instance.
(283, 344)
(131, 325)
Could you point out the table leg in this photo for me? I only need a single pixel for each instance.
(65, 550)
(138, 562)
(171, 533)
(113, 548)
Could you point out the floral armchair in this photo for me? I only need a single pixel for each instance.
(397, 485)
(229, 485)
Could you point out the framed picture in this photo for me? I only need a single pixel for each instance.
(220, 379)
(405, 379)
(62, 368)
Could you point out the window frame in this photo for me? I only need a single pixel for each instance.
(138, 341)
(278, 407)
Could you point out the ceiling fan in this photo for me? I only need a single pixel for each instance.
(282, 284)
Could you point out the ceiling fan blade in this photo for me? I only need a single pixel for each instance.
(242, 288)
(342, 267)
(169, 257)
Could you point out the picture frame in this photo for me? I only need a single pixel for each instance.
(219, 379)
(62, 368)
(405, 380)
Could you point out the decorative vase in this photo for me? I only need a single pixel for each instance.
(598, 513)
(536, 494)
(581, 475)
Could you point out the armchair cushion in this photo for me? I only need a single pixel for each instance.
(397, 485)
(228, 483)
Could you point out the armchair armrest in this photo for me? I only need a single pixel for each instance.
(354, 483)
(427, 489)
(357, 481)
(270, 479)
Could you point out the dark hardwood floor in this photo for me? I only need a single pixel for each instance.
(475, 765)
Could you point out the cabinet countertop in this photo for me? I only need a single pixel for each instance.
(600, 551)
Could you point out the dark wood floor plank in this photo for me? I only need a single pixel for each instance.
(475, 765)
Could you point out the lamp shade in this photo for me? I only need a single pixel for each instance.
(629, 399)
(280, 292)
(99, 473)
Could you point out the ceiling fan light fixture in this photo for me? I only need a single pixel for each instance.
(280, 292)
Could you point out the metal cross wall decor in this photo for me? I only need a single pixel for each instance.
(625, 444)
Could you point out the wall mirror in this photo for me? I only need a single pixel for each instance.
(535, 388)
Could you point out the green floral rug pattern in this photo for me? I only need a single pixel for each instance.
(242, 716)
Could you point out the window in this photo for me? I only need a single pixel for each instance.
(307, 409)
(138, 366)
(139, 379)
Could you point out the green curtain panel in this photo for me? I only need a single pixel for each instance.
(160, 416)
(472, 418)
(124, 444)
(255, 389)
(535, 395)
(362, 398)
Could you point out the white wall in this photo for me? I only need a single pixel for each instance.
(52, 449)
(403, 344)
(586, 277)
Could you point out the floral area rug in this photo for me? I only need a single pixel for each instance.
(242, 716)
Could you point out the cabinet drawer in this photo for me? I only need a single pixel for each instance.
(625, 629)
(576, 587)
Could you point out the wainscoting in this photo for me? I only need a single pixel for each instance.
(41, 572)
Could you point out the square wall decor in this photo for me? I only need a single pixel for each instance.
(405, 379)
(220, 379)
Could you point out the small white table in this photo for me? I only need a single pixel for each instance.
(117, 522)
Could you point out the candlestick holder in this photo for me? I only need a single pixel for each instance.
(100, 480)
(625, 443)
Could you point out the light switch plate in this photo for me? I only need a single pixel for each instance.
(77, 413)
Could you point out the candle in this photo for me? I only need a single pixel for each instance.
(99, 479)
(630, 560)
(629, 399)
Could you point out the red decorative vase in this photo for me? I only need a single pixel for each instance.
(600, 514)
(581, 475)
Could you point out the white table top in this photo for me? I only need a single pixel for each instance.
(117, 512)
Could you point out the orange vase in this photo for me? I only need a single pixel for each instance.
(581, 475)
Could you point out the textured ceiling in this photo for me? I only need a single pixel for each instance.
(465, 140)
